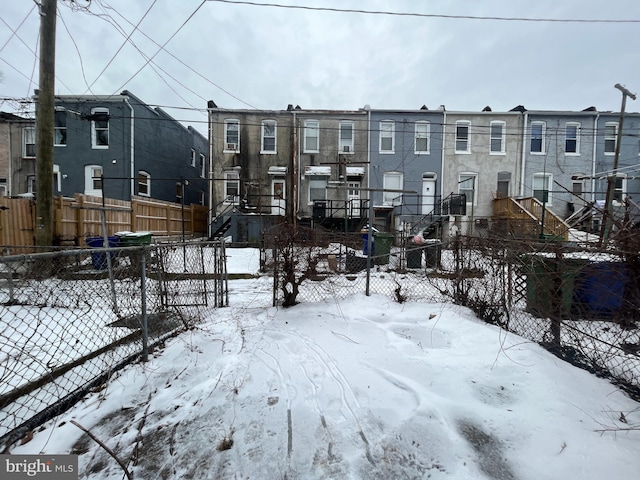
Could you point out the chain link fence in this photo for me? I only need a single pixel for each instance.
(70, 318)
(578, 299)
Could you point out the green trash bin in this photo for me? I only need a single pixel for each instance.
(433, 253)
(383, 242)
(414, 255)
(135, 239)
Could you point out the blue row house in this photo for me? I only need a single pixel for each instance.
(118, 147)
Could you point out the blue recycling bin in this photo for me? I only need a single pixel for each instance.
(99, 259)
(365, 244)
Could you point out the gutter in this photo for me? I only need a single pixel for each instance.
(524, 149)
(594, 158)
(132, 148)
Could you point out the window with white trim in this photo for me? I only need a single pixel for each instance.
(179, 192)
(387, 136)
(497, 137)
(232, 187)
(423, 137)
(29, 142)
(93, 180)
(311, 136)
(538, 130)
(203, 166)
(620, 191)
(345, 139)
(201, 197)
(317, 188)
(231, 135)
(268, 137)
(57, 180)
(193, 157)
(392, 181)
(99, 127)
(144, 183)
(468, 186)
(541, 187)
(610, 137)
(60, 128)
(462, 136)
(572, 138)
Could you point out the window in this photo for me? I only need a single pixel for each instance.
(29, 142)
(144, 183)
(311, 136)
(541, 184)
(504, 180)
(392, 181)
(60, 128)
(203, 166)
(193, 157)
(572, 139)
(610, 138)
(467, 186)
(317, 188)
(497, 137)
(577, 186)
(423, 131)
(537, 137)
(462, 137)
(179, 192)
(231, 187)
(201, 197)
(93, 180)
(620, 191)
(346, 137)
(57, 180)
(3, 187)
(31, 184)
(387, 137)
(268, 137)
(231, 136)
(100, 128)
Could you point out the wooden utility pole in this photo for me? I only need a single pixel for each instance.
(45, 113)
(611, 180)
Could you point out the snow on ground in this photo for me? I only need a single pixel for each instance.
(362, 388)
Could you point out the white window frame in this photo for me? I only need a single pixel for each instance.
(146, 183)
(227, 123)
(263, 137)
(3, 189)
(59, 126)
(28, 138)
(426, 134)
(95, 129)
(543, 131)
(91, 182)
(463, 179)
(345, 145)
(567, 138)
(392, 198)
(609, 138)
(57, 178)
(193, 157)
(231, 177)
(458, 138)
(311, 127)
(201, 197)
(203, 166)
(31, 184)
(179, 192)
(620, 193)
(387, 131)
(317, 178)
(501, 137)
(546, 182)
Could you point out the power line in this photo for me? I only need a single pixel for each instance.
(425, 15)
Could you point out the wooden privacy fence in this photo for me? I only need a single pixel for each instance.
(79, 217)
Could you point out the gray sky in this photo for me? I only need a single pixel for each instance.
(245, 56)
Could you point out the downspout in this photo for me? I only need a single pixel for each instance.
(212, 203)
(524, 155)
(294, 174)
(444, 126)
(132, 148)
(593, 162)
(369, 192)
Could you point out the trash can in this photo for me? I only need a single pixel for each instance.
(99, 259)
(383, 243)
(599, 289)
(432, 253)
(414, 255)
(365, 244)
(135, 239)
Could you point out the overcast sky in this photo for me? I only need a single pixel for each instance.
(249, 56)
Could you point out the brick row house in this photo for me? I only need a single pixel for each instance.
(321, 167)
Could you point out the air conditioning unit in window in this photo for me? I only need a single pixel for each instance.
(346, 148)
(232, 146)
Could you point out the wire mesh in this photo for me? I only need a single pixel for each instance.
(68, 319)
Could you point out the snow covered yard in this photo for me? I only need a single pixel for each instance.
(359, 388)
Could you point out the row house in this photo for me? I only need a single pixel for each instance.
(321, 167)
(117, 146)
(17, 154)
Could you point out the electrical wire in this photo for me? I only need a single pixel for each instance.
(425, 15)
(14, 32)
